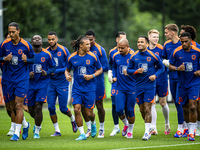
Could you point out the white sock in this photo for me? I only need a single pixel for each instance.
(72, 118)
(81, 130)
(165, 111)
(147, 127)
(185, 125)
(57, 129)
(116, 125)
(17, 129)
(88, 124)
(37, 129)
(191, 127)
(93, 122)
(154, 115)
(130, 128)
(198, 124)
(24, 123)
(101, 126)
(125, 121)
(180, 127)
(12, 126)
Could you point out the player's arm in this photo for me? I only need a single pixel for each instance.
(131, 70)
(67, 71)
(29, 57)
(110, 73)
(104, 60)
(114, 71)
(172, 62)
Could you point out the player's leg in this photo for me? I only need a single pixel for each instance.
(154, 117)
(87, 121)
(198, 118)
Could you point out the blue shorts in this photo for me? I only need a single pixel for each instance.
(145, 95)
(85, 98)
(125, 100)
(19, 89)
(100, 93)
(4, 89)
(161, 89)
(36, 95)
(184, 94)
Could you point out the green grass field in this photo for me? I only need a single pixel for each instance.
(67, 140)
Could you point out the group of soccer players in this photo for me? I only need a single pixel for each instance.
(35, 75)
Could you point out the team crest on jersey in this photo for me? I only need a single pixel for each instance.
(20, 51)
(88, 62)
(95, 52)
(59, 53)
(42, 59)
(157, 53)
(193, 57)
(180, 99)
(148, 59)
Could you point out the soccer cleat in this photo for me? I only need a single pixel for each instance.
(93, 130)
(74, 126)
(167, 129)
(56, 134)
(178, 134)
(198, 131)
(88, 133)
(124, 131)
(129, 135)
(81, 137)
(14, 138)
(154, 132)
(34, 128)
(101, 133)
(185, 133)
(25, 132)
(115, 131)
(191, 137)
(151, 130)
(36, 136)
(10, 133)
(146, 136)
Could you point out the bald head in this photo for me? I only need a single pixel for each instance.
(123, 46)
(124, 42)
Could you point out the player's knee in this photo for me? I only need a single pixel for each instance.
(52, 111)
(77, 111)
(64, 110)
(193, 109)
(120, 112)
(131, 113)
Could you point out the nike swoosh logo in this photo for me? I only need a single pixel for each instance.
(75, 62)
(7, 50)
(180, 57)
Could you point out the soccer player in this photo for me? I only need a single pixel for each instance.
(58, 85)
(17, 54)
(100, 90)
(116, 129)
(86, 66)
(146, 66)
(125, 97)
(39, 78)
(173, 41)
(185, 60)
(161, 83)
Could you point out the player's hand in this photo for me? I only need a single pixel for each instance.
(88, 77)
(181, 67)
(24, 57)
(8, 57)
(125, 73)
(114, 80)
(140, 70)
(197, 73)
(166, 63)
(43, 72)
(152, 77)
(110, 75)
(68, 76)
(31, 74)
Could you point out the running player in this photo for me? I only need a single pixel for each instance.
(125, 97)
(185, 60)
(86, 66)
(161, 83)
(38, 82)
(58, 85)
(146, 66)
(17, 54)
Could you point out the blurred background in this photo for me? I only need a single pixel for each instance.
(71, 18)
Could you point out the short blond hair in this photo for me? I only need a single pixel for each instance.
(172, 27)
(153, 31)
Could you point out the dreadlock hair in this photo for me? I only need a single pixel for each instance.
(75, 44)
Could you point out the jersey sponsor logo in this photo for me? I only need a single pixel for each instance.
(37, 68)
(95, 52)
(193, 57)
(87, 61)
(14, 60)
(59, 53)
(20, 51)
(188, 66)
(42, 59)
(82, 70)
(148, 59)
(56, 60)
(144, 66)
(122, 68)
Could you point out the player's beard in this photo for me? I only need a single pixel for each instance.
(53, 45)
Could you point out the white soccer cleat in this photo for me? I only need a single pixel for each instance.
(101, 133)
(88, 133)
(115, 131)
(167, 129)
(154, 132)
(198, 131)
(129, 135)
(10, 133)
(146, 137)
